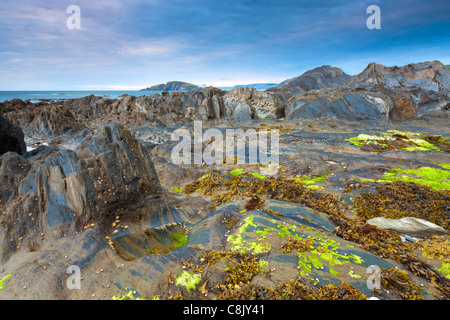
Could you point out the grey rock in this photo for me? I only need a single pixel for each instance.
(61, 192)
(378, 93)
(318, 78)
(345, 105)
(248, 103)
(410, 226)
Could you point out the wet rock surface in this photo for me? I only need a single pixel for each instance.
(100, 191)
(11, 137)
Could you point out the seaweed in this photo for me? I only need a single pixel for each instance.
(130, 296)
(188, 280)
(224, 187)
(399, 282)
(3, 279)
(401, 199)
(343, 291)
(254, 203)
(388, 244)
(398, 140)
(438, 247)
(301, 245)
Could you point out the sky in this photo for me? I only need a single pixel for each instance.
(128, 45)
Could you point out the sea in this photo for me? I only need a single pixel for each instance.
(36, 96)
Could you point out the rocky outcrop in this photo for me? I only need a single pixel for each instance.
(248, 103)
(415, 88)
(173, 86)
(54, 193)
(340, 104)
(53, 121)
(318, 78)
(68, 117)
(379, 93)
(11, 137)
(41, 120)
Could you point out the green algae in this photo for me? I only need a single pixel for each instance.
(354, 275)
(444, 165)
(403, 133)
(325, 251)
(285, 230)
(237, 240)
(128, 296)
(206, 175)
(395, 140)
(438, 179)
(236, 172)
(188, 280)
(445, 269)
(421, 144)
(179, 239)
(333, 272)
(3, 279)
(310, 182)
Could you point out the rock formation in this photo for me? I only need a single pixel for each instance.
(54, 193)
(173, 86)
(379, 93)
(103, 194)
(318, 78)
(248, 103)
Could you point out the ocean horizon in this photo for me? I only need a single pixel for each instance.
(36, 96)
(55, 95)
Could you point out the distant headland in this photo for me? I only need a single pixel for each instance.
(173, 86)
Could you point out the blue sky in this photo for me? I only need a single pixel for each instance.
(136, 43)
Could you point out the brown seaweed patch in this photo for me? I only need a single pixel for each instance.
(401, 199)
(399, 282)
(388, 244)
(223, 188)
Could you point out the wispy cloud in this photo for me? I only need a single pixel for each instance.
(129, 43)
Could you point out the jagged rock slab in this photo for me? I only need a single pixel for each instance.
(378, 93)
(58, 193)
(318, 78)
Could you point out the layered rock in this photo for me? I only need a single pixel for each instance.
(41, 120)
(318, 78)
(248, 103)
(379, 93)
(56, 193)
(414, 88)
(340, 104)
